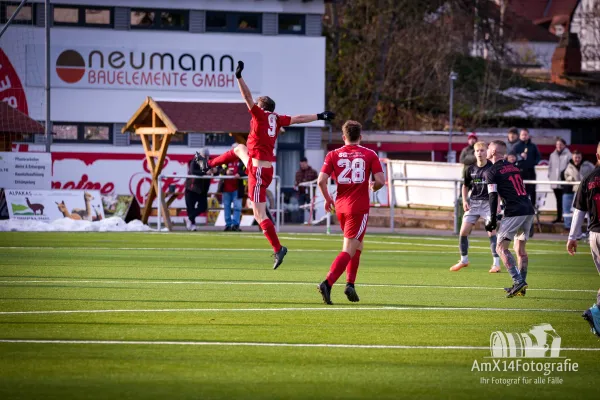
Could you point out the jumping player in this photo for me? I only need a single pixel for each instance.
(587, 199)
(476, 207)
(504, 179)
(351, 166)
(259, 153)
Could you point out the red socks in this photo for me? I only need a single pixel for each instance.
(225, 158)
(338, 267)
(270, 233)
(352, 267)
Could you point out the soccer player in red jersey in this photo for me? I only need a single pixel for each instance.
(259, 153)
(351, 166)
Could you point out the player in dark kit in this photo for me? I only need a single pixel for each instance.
(259, 153)
(352, 166)
(587, 199)
(504, 180)
(477, 206)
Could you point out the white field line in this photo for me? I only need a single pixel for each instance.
(270, 283)
(263, 344)
(286, 309)
(265, 250)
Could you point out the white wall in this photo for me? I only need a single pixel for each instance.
(292, 69)
(586, 23)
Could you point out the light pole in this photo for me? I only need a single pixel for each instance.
(451, 156)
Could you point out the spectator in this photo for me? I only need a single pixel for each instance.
(467, 155)
(196, 192)
(511, 157)
(512, 140)
(232, 194)
(305, 174)
(528, 156)
(576, 170)
(559, 159)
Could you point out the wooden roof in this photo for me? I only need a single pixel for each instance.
(14, 121)
(191, 116)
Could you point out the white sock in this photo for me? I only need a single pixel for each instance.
(464, 259)
(496, 261)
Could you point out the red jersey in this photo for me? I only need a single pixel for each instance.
(231, 185)
(351, 166)
(264, 129)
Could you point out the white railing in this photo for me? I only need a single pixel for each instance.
(278, 210)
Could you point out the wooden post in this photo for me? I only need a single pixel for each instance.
(156, 160)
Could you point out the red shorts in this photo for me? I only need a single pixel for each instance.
(353, 225)
(259, 179)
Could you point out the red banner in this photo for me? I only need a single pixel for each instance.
(11, 89)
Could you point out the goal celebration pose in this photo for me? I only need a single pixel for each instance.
(259, 153)
(351, 166)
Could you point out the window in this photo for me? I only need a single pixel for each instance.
(96, 133)
(64, 132)
(216, 20)
(216, 139)
(83, 16)
(25, 16)
(159, 19)
(66, 15)
(220, 21)
(290, 148)
(178, 139)
(97, 16)
(82, 132)
(291, 24)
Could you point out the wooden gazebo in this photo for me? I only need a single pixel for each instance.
(157, 121)
(14, 125)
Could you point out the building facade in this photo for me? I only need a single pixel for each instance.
(106, 56)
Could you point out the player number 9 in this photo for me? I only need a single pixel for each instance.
(272, 125)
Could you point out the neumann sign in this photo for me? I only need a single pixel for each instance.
(150, 69)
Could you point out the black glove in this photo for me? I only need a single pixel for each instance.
(490, 224)
(326, 116)
(239, 69)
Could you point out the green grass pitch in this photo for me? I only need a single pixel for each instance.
(204, 316)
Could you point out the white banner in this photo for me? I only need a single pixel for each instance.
(25, 170)
(145, 68)
(50, 205)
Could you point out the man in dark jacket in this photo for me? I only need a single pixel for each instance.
(528, 157)
(467, 155)
(196, 193)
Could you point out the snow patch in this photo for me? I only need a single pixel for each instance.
(522, 93)
(556, 110)
(113, 224)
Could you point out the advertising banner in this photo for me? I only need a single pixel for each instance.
(50, 205)
(146, 68)
(115, 175)
(25, 170)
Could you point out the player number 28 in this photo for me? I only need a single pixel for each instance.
(354, 171)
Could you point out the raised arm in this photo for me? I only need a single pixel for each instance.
(303, 119)
(244, 90)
